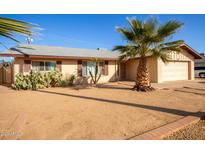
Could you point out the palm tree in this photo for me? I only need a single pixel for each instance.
(144, 39)
(10, 27)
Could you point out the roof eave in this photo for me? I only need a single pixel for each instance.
(191, 51)
(70, 57)
(10, 55)
(54, 57)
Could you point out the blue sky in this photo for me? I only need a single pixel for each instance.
(93, 31)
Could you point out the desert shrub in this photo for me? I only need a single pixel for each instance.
(37, 80)
(69, 81)
(22, 82)
(64, 83)
(55, 78)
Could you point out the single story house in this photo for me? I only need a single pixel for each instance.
(79, 62)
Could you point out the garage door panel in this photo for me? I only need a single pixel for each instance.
(175, 71)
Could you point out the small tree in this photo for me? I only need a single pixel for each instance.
(97, 73)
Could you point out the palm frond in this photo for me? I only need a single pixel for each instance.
(126, 33)
(135, 25)
(162, 54)
(10, 27)
(148, 38)
(168, 29)
(172, 46)
(165, 57)
(127, 51)
(150, 25)
(8, 36)
(178, 42)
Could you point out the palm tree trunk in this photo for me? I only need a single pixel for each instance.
(143, 78)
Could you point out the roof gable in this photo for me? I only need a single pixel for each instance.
(191, 51)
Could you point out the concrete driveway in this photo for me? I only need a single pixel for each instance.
(197, 83)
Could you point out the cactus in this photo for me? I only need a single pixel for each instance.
(37, 80)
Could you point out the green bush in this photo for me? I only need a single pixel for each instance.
(71, 80)
(37, 80)
(68, 82)
(22, 82)
(55, 78)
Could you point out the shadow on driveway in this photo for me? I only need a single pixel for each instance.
(148, 107)
(191, 92)
(194, 88)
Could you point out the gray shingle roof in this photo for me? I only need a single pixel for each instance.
(39, 50)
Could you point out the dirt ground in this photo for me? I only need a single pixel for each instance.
(192, 132)
(111, 111)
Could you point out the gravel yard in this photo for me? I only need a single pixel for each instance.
(110, 111)
(192, 132)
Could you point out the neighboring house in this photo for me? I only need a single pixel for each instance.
(200, 67)
(79, 62)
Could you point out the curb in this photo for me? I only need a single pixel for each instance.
(168, 129)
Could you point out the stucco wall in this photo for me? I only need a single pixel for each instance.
(112, 75)
(156, 66)
(70, 67)
(183, 56)
(131, 69)
(18, 67)
(112, 72)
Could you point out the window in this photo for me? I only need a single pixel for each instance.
(199, 68)
(50, 66)
(38, 66)
(43, 66)
(89, 66)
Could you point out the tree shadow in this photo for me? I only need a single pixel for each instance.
(127, 84)
(190, 92)
(18, 50)
(148, 107)
(80, 87)
(103, 86)
(194, 88)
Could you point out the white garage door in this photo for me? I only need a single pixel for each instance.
(175, 71)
